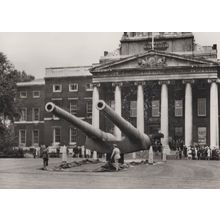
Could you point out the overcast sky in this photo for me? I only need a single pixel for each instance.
(33, 52)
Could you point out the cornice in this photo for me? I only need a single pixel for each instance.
(156, 38)
(113, 64)
(155, 71)
(157, 77)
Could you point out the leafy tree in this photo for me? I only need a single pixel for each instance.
(22, 76)
(9, 76)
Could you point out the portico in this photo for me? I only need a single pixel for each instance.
(173, 93)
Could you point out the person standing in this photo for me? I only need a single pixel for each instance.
(34, 152)
(196, 153)
(45, 156)
(199, 152)
(185, 152)
(189, 153)
(208, 153)
(180, 153)
(115, 156)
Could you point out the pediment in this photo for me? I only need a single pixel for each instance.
(153, 59)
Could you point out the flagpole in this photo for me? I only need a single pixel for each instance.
(152, 40)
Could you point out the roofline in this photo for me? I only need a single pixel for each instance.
(157, 38)
(127, 59)
(163, 68)
(36, 82)
(52, 77)
(24, 85)
(68, 67)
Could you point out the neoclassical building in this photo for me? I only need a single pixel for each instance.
(163, 82)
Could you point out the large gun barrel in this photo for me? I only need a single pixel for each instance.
(96, 139)
(139, 139)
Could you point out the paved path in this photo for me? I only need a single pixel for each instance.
(26, 173)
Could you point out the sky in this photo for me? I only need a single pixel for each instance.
(35, 51)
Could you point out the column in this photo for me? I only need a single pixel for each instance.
(214, 122)
(164, 117)
(95, 112)
(140, 109)
(217, 116)
(117, 131)
(188, 114)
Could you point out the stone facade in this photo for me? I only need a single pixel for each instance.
(177, 79)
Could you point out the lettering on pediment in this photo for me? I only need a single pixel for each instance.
(162, 45)
(153, 61)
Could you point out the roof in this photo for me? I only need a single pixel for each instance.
(35, 82)
(75, 71)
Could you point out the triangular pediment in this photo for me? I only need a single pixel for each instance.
(153, 59)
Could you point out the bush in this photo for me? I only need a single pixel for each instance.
(215, 154)
(13, 153)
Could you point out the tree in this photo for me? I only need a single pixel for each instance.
(9, 76)
(22, 76)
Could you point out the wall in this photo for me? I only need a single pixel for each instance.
(173, 45)
(30, 103)
(176, 91)
(82, 97)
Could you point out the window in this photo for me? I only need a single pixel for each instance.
(57, 88)
(89, 107)
(133, 109)
(155, 108)
(23, 94)
(73, 87)
(73, 107)
(201, 106)
(73, 135)
(56, 135)
(89, 87)
(202, 135)
(178, 108)
(35, 137)
(23, 114)
(36, 114)
(36, 94)
(178, 131)
(22, 137)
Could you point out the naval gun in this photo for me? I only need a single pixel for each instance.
(100, 141)
(133, 139)
(96, 139)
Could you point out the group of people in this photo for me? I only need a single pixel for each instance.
(82, 152)
(114, 158)
(197, 153)
(115, 155)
